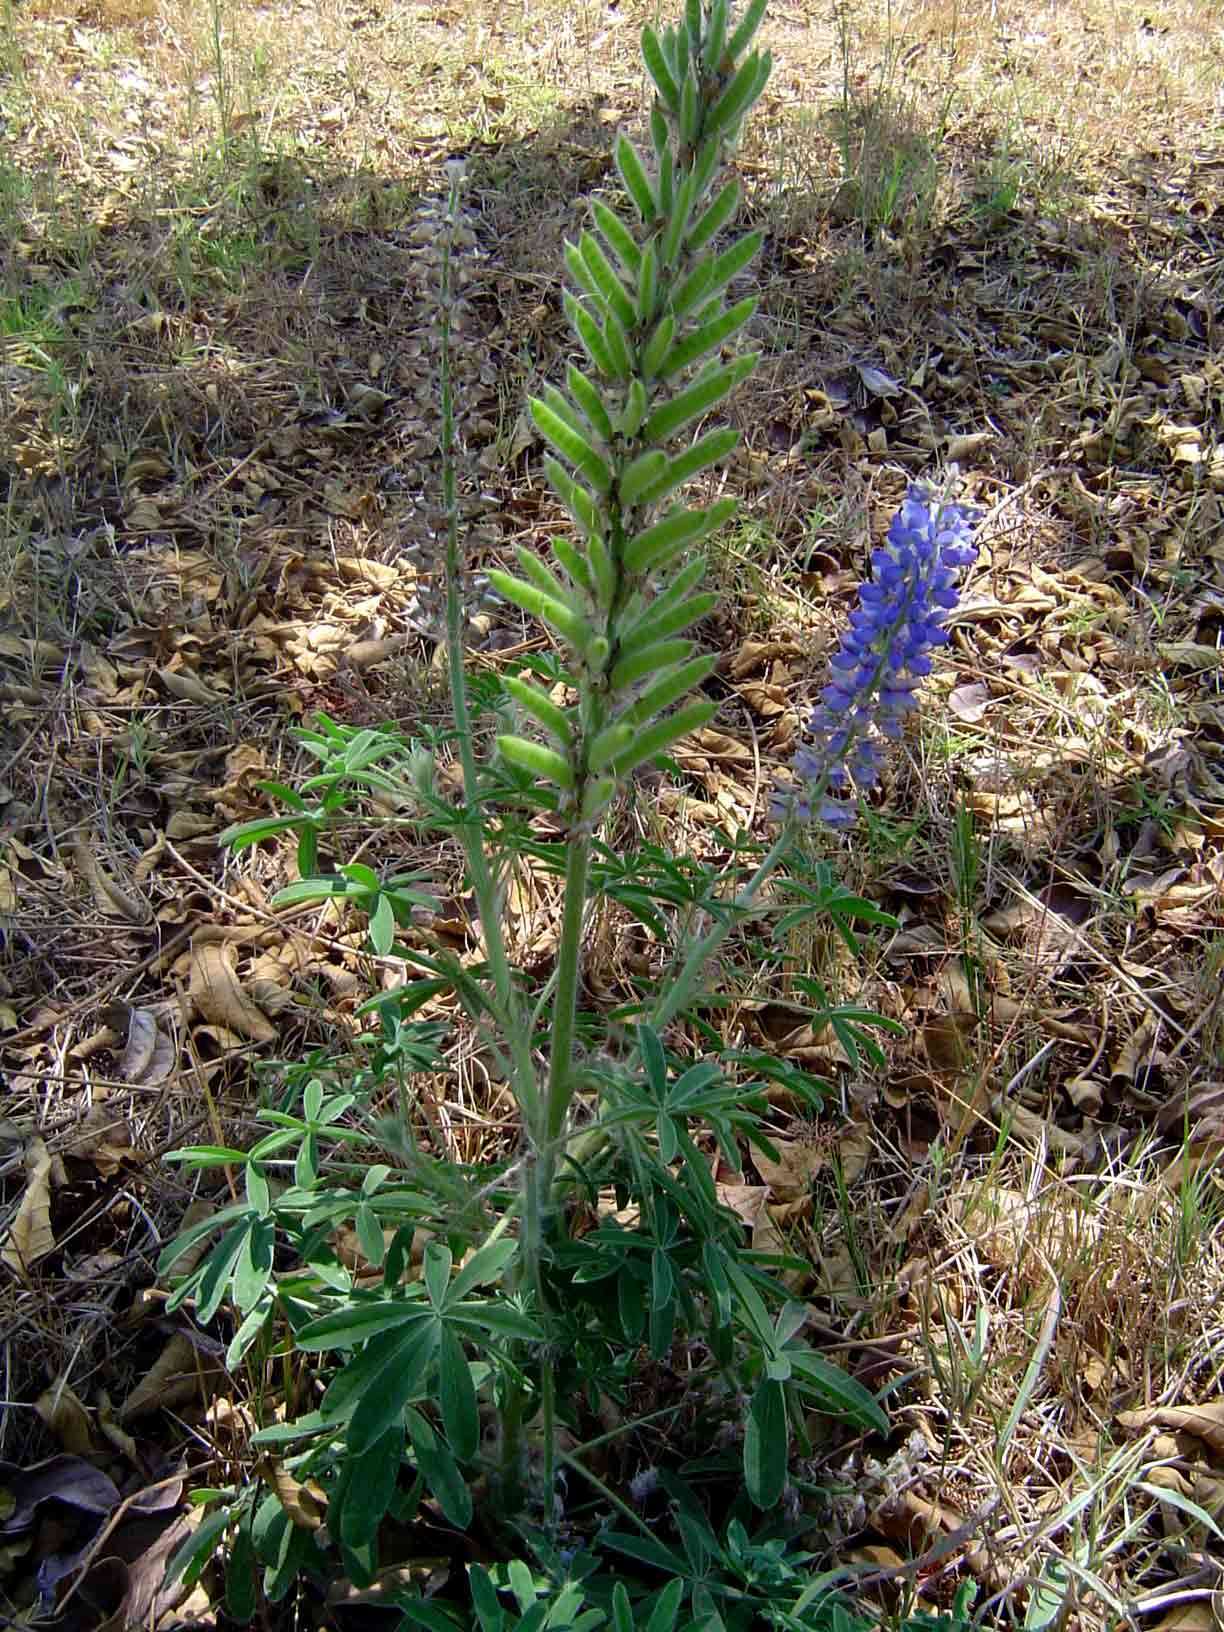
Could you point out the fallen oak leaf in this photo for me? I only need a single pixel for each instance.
(68, 1479)
(149, 1055)
(215, 991)
(111, 896)
(67, 1419)
(30, 1235)
(174, 1379)
(1205, 1422)
(188, 688)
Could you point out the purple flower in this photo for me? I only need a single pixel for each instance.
(883, 657)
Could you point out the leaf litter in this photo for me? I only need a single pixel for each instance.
(242, 549)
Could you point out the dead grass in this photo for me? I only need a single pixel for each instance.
(996, 237)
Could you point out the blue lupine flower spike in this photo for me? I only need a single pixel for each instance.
(883, 657)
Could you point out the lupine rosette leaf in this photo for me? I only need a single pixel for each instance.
(883, 657)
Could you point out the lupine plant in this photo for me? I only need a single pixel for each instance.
(474, 1363)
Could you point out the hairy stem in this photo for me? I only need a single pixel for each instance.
(565, 1004)
(510, 1017)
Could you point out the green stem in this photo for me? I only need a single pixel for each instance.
(565, 1005)
(702, 950)
(510, 1013)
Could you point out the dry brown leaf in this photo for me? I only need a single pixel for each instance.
(215, 991)
(174, 1379)
(67, 1419)
(1193, 1160)
(188, 688)
(1014, 1233)
(1032, 1129)
(970, 701)
(1205, 1422)
(364, 654)
(746, 1201)
(149, 1055)
(305, 1505)
(30, 1236)
(110, 1430)
(1197, 1617)
(798, 1163)
(112, 897)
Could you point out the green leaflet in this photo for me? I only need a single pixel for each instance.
(766, 1442)
(573, 562)
(617, 342)
(590, 335)
(647, 285)
(645, 660)
(714, 218)
(710, 277)
(637, 404)
(690, 108)
(586, 394)
(669, 688)
(573, 496)
(747, 85)
(657, 346)
(611, 743)
(645, 549)
(645, 471)
(715, 38)
(606, 281)
(530, 598)
(603, 570)
(746, 31)
(542, 575)
(680, 210)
